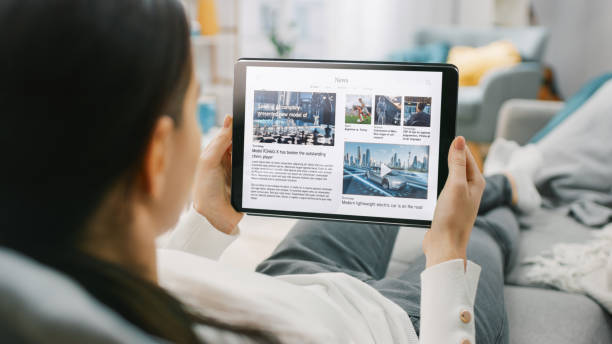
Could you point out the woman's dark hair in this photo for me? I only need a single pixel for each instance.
(82, 83)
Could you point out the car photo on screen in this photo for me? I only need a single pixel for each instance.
(386, 170)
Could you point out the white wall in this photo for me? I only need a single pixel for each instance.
(356, 29)
(370, 30)
(579, 47)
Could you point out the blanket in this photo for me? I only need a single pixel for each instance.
(584, 268)
(576, 173)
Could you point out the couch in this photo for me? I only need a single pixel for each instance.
(535, 315)
(40, 305)
(478, 106)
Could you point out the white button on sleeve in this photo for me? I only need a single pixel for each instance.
(448, 292)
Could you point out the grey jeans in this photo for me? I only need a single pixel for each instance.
(364, 250)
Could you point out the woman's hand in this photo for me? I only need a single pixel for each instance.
(456, 209)
(213, 182)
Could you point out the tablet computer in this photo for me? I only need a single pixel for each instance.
(342, 140)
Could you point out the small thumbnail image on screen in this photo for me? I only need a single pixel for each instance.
(300, 118)
(358, 109)
(387, 110)
(417, 111)
(387, 170)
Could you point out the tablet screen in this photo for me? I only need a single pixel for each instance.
(342, 141)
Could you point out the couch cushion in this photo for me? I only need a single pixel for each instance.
(573, 104)
(38, 304)
(406, 249)
(540, 316)
(475, 62)
(530, 41)
(540, 231)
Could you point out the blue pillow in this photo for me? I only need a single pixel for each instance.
(427, 53)
(572, 105)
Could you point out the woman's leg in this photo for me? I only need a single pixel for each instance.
(497, 193)
(363, 251)
(360, 250)
(492, 246)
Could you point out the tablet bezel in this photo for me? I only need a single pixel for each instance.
(448, 111)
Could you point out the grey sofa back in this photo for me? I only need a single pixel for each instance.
(40, 305)
(530, 41)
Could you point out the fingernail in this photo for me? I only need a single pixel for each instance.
(460, 143)
(227, 121)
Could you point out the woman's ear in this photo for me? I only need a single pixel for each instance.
(157, 157)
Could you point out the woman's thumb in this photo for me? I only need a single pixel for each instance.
(457, 159)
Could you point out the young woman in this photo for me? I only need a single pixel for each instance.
(100, 148)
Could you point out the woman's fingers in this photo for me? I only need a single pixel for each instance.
(227, 165)
(215, 151)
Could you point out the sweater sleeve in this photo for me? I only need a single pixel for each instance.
(194, 234)
(448, 292)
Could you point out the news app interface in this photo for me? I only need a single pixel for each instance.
(342, 141)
